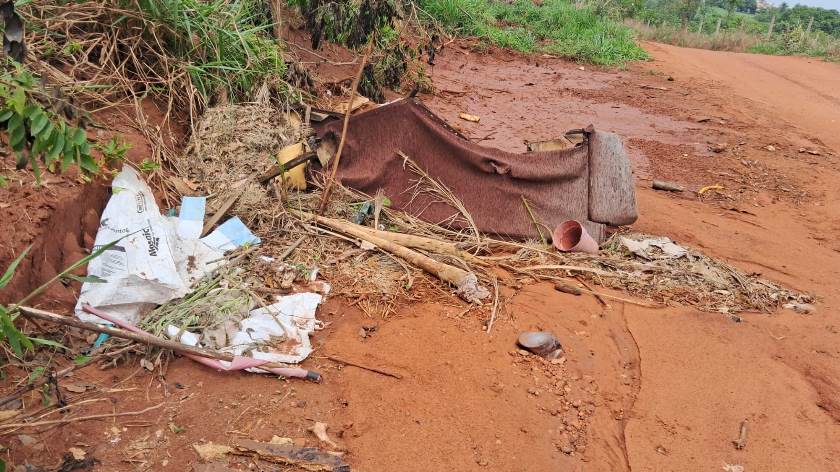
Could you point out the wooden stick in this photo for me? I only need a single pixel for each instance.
(362, 366)
(81, 418)
(495, 304)
(741, 442)
(121, 333)
(465, 281)
(425, 243)
(667, 186)
(58, 375)
(325, 196)
(208, 225)
(571, 289)
(282, 169)
(597, 295)
(291, 249)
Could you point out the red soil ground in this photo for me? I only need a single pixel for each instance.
(640, 389)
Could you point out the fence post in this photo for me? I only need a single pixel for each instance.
(810, 24)
(717, 28)
(770, 29)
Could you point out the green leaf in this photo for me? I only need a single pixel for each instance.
(386, 202)
(176, 429)
(87, 163)
(38, 121)
(36, 169)
(10, 271)
(80, 360)
(91, 279)
(79, 136)
(57, 147)
(4, 116)
(36, 373)
(18, 100)
(96, 253)
(17, 340)
(48, 342)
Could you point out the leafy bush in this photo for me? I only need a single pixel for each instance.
(35, 134)
(554, 26)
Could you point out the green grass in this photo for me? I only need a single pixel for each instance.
(554, 27)
(225, 43)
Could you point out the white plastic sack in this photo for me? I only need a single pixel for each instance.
(275, 333)
(150, 265)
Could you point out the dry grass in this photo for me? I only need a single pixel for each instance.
(737, 41)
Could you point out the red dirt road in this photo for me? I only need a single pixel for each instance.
(640, 389)
(802, 92)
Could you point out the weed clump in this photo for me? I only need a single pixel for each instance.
(553, 26)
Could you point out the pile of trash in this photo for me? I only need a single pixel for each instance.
(250, 302)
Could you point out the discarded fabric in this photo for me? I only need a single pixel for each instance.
(590, 182)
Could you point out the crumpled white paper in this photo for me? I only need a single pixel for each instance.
(644, 248)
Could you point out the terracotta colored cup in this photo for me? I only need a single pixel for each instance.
(571, 236)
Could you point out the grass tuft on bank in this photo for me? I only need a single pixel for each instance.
(554, 27)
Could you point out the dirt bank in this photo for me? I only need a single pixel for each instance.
(639, 389)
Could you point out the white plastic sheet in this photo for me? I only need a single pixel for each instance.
(157, 260)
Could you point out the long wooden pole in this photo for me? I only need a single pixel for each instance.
(325, 196)
(144, 338)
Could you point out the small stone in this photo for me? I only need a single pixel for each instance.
(534, 392)
(718, 147)
(770, 147)
(523, 352)
(567, 448)
(577, 403)
(581, 448)
(559, 361)
(26, 440)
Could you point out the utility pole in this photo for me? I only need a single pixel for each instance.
(772, 24)
(810, 24)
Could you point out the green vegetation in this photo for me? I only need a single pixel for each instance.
(224, 45)
(739, 25)
(36, 135)
(554, 26)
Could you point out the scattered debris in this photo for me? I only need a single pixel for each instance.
(309, 458)
(211, 451)
(812, 152)
(709, 188)
(741, 442)
(78, 454)
(718, 147)
(654, 87)
(148, 262)
(667, 186)
(645, 248)
(571, 236)
(566, 288)
(803, 308)
(770, 147)
(468, 117)
(364, 367)
(733, 467)
(541, 343)
(320, 431)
